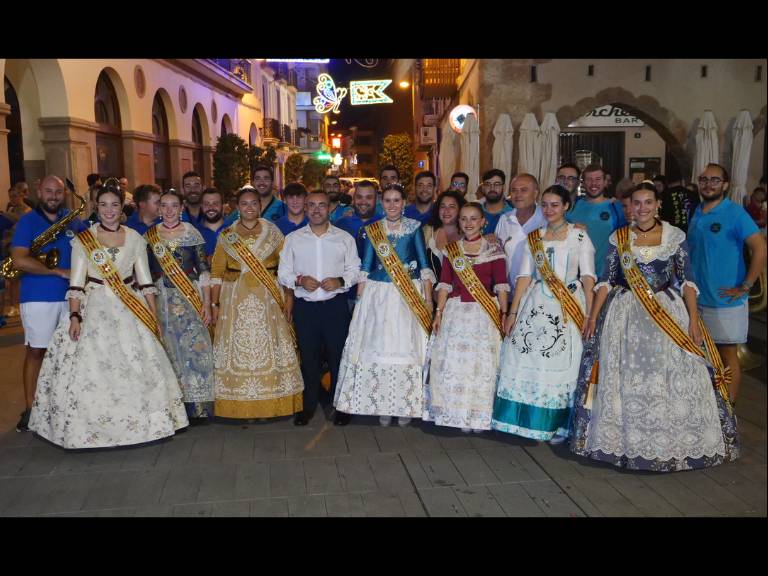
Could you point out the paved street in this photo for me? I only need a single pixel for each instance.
(274, 469)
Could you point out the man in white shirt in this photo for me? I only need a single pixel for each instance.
(319, 262)
(513, 227)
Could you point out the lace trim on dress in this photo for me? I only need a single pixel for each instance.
(407, 226)
(205, 279)
(502, 288)
(443, 286)
(216, 282)
(691, 284)
(671, 238)
(147, 290)
(427, 274)
(599, 285)
(362, 276)
(76, 293)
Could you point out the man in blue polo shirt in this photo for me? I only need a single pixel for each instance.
(716, 237)
(192, 190)
(213, 219)
(295, 196)
(43, 290)
(421, 210)
(332, 187)
(495, 203)
(147, 213)
(272, 208)
(599, 214)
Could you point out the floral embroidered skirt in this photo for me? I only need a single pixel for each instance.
(383, 358)
(257, 371)
(462, 374)
(539, 368)
(655, 406)
(114, 386)
(188, 344)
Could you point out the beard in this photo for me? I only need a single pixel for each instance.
(212, 220)
(366, 213)
(47, 209)
(493, 196)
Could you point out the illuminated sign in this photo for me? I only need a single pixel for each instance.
(337, 159)
(459, 115)
(323, 156)
(608, 115)
(336, 142)
(329, 97)
(299, 60)
(369, 92)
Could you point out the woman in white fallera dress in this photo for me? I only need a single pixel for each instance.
(541, 354)
(106, 380)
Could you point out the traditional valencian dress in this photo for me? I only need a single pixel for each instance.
(256, 367)
(115, 385)
(381, 366)
(465, 353)
(650, 404)
(180, 271)
(540, 358)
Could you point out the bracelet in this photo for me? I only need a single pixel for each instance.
(215, 304)
(76, 315)
(438, 310)
(513, 312)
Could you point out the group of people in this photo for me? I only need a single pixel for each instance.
(553, 317)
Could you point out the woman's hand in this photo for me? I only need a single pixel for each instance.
(214, 314)
(588, 330)
(74, 329)
(509, 323)
(207, 314)
(288, 310)
(436, 323)
(694, 331)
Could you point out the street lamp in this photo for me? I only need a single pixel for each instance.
(404, 84)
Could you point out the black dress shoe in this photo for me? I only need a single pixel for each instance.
(341, 418)
(301, 418)
(23, 425)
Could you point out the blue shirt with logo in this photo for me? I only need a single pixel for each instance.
(40, 287)
(187, 217)
(339, 212)
(491, 220)
(286, 226)
(137, 223)
(210, 237)
(601, 219)
(716, 240)
(272, 212)
(411, 211)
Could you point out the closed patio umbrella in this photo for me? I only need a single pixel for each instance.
(530, 152)
(707, 147)
(470, 154)
(550, 150)
(742, 146)
(503, 143)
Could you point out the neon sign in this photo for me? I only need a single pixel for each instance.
(369, 92)
(329, 96)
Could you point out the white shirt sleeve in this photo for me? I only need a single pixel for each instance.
(587, 258)
(526, 265)
(285, 271)
(351, 263)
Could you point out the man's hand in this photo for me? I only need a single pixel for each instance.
(734, 293)
(309, 284)
(74, 329)
(61, 273)
(330, 284)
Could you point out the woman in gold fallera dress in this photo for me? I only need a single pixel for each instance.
(256, 366)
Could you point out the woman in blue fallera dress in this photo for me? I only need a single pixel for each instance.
(185, 333)
(652, 405)
(381, 366)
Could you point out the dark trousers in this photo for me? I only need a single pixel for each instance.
(320, 326)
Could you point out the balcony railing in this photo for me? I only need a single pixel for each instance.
(272, 129)
(238, 67)
(287, 134)
(439, 77)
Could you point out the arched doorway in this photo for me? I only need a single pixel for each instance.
(197, 139)
(253, 135)
(162, 154)
(109, 144)
(15, 143)
(226, 125)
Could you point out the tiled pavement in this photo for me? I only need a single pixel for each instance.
(273, 469)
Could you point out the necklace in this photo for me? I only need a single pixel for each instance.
(554, 231)
(647, 229)
(172, 227)
(475, 239)
(247, 228)
(109, 229)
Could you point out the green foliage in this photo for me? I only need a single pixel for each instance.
(313, 172)
(294, 168)
(230, 163)
(398, 150)
(257, 155)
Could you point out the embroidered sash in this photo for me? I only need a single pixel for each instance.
(402, 281)
(568, 303)
(172, 269)
(111, 278)
(466, 273)
(664, 321)
(258, 269)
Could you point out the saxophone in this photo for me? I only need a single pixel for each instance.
(50, 258)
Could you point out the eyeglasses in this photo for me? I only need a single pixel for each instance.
(425, 187)
(489, 184)
(568, 178)
(458, 184)
(703, 180)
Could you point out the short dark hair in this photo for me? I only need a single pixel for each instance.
(660, 178)
(331, 177)
(190, 174)
(645, 185)
(593, 168)
(726, 176)
(560, 192)
(495, 172)
(320, 191)
(110, 188)
(294, 189)
(173, 192)
(366, 184)
(212, 190)
(425, 174)
(389, 167)
(397, 187)
(262, 168)
(142, 192)
(91, 179)
(569, 165)
(434, 218)
(460, 175)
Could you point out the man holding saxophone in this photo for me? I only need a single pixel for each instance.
(43, 289)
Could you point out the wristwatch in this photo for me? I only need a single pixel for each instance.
(747, 285)
(341, 281)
